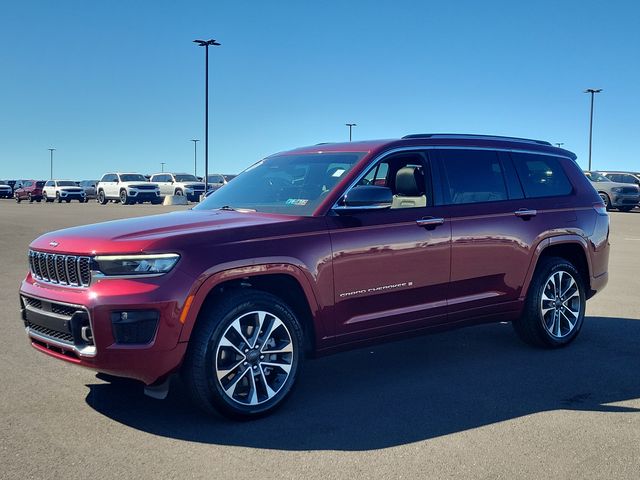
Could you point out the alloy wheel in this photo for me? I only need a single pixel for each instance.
(560, 304)
(254, 358)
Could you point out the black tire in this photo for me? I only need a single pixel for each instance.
(605, 198)
(68, 200)
(202, 361)
(626, 209)
(46, 198)
(101, 198)
(156, 202)
(17, 198)
(178, 192)
(124, 198)
(38, 200)
(30, 198)
(533, 325)
(58, 197)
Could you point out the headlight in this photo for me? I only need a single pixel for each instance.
(135, 265)
(616, 189)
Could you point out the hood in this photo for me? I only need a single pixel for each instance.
(155, 232)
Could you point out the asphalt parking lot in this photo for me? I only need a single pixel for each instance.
(472, 403)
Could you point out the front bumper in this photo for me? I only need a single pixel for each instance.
(144, 195)
(54, 317)
(625, 200)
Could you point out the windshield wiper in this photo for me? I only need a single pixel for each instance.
(229, 208)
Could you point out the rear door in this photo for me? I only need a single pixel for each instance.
(493, 228)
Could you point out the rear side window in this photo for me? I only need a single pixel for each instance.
(541, 175)
(473, 176)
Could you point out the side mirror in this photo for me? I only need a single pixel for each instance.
(365, 197)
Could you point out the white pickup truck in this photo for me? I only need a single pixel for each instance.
(127, 188)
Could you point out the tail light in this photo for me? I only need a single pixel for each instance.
(600, 208)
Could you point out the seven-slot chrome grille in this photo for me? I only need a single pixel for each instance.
(71, 270)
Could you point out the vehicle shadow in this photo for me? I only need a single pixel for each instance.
(410, 390)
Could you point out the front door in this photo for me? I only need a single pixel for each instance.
(391, 267)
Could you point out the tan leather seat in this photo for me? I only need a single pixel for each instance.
(409, 188)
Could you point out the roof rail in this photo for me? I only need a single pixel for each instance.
(474, 137)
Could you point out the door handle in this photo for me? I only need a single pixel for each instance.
(430, 222)
(525, 213)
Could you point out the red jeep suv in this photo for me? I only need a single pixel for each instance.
(29, 190)
(319, 249)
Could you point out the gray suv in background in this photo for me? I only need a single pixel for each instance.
(623, 177)
(623, 196)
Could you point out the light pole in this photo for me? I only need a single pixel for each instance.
(195, 157)
(592, 91)
(51, 163)
(205, 44)
(350, 125)
(559, 144)
(162, 166)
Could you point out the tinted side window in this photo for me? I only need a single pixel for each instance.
(49, 183)
(541, 175)
(472, 176)
(614, 177)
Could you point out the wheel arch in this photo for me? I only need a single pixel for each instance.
(285, 281)
(572, 248)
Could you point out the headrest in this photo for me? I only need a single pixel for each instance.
(410, 182)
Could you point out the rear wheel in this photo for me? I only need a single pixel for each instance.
(179, 192)
(46, 198)
(244, 355)
(605, 198)
(555, 305)
(102, 198)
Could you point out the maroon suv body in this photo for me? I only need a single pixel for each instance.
(29, 190)
(319, 249)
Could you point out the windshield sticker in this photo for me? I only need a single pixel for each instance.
(297, 201)
(338, 173)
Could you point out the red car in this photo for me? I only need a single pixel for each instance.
(29, 190)
(320, 249)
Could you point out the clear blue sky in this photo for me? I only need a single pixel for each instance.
(119, 84)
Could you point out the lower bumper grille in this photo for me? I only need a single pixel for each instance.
(58, 324)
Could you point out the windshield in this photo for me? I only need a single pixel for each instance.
(66, 183)
(132, 177)
(183, 177)
(597, 177)
(39, 184)
(289, 184)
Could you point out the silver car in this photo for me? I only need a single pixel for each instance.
(623, 196)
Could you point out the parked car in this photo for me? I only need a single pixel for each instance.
(127, 188)
(623, 196)
(29, 190)
(217, 180)
(89, 187)
(5, 189)
(623, 177)
(179, 184)
(60, 190)
(321, 249)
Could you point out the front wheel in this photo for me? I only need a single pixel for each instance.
(124, 198)
(30, 198)
(244, 355)
(58, 197)
(555, 305)
(17, 198)
(605, 198)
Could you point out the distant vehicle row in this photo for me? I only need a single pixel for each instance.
(623, 196)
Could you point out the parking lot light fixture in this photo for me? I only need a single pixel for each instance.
(195, 156)
(559, 144)
(162, 166)
(206, 44)
(592, 91)
(350, 125)
(51, 150)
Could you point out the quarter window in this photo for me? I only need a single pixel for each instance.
(541, 175)
(473, 176)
